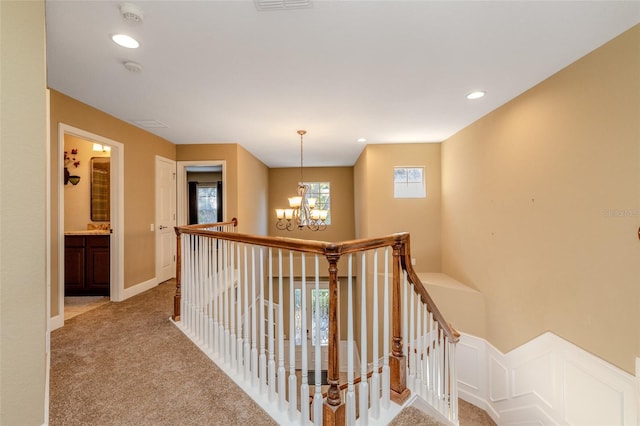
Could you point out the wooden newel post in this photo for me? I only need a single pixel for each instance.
(397, 361)
(176, 298)
(334, 412)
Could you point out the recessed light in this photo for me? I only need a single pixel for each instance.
(361, 140)
(476, 95)
(125, 41)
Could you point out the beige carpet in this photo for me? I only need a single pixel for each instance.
(126, 364)
(76, 305)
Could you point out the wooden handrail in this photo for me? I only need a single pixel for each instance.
(306, 246)
(413, 278)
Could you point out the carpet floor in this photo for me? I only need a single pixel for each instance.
(126, 364)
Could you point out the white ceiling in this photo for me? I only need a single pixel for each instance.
(390, 71)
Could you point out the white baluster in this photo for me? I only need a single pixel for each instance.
(231, 289)
(386, 380)
(375, 376)
(220, 295)
(293, 380)
(226, 301)
(271, 366)
(184, 291)
(200, 290)
(442, 367)
(304, 384)
(418, 347)
(351, 395)
(214, 297)
(281, 371)
(425, 353)
(247, 318)
(186, 313)
(445, 394)
(317, 398)
(410, 342)
(206, 341)
(238, 303)
(432, 359)
(191, 282)
(263, 356)
(454, 384)
(364, 386)
(254, 331)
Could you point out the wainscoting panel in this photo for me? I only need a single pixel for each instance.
(546, 381)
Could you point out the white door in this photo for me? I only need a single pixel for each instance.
(165, 219)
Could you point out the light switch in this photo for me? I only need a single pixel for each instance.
(151, 227)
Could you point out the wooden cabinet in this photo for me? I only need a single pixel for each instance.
(86, 265)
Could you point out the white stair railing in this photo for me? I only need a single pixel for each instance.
(233, 296)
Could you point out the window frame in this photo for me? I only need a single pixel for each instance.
(408, 188)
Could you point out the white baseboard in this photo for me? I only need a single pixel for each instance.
(139, 288)
(545, 381)
(56, 322)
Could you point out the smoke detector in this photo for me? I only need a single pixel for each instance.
(132, 66)
(131, 12)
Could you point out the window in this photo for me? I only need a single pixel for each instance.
(321, 191)
(409, 182)
(207, 196)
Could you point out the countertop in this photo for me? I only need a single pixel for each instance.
(88, 232)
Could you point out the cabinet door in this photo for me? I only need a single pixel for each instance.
(73, 270)
(97, 266)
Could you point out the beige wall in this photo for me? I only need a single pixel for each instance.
(360, 191)
(23, 157)
(77, 198)
(379, 213)
(140, 149)
(253, 187)
(282, 185)
(541, 207)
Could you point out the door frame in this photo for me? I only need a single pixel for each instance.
(182, 194)
(159, 158)
(116, 287)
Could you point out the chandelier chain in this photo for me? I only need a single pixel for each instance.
(302, 212)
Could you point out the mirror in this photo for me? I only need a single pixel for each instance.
(100, 192)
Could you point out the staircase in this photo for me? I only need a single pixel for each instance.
(375, 299)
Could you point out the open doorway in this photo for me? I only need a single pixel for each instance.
(201, 192)
(90, 215)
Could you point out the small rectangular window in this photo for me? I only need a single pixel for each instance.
(409, 182)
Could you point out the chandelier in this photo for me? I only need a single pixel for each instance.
(302, 211)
